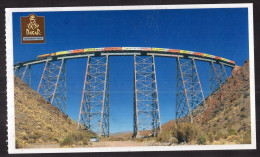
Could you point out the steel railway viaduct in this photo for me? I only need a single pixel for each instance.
(94, 109)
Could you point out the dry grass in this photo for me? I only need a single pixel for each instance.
(39, 122)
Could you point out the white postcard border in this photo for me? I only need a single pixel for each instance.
(10, 81)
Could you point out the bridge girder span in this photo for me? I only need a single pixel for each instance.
(146, 103)
(52, 85)
(190, 101)
(24, 73)
(94, 110)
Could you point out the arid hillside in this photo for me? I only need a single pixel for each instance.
(39, 122)
(227, 119)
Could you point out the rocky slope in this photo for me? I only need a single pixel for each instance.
(227, 119)
(39, 122)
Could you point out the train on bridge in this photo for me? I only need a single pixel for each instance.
(142, 49)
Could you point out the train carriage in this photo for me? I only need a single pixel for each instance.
(158, 49)
(44, 55)
(90, 49)
(198, 53)
(112, 49)
(77, 51)
(131, 48)
(206, 55)
(146, 49)
(224, 59)
(218, 58)
(53, 54)
(61, 53)
(186, 52)
(232, 62)
(173, 50)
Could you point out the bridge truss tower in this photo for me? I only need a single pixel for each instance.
(94, 110)
(190, 100)
(24, 73)
(146, 103)
(53, 84)
(217, 76)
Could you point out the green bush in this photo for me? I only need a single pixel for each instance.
(201, 140)
(67, 141)
(167, 136)
(242, 109)
(186, 132)
(246, 95)
(232, 131)
(243, 115)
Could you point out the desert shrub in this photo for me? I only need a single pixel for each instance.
(210, 137)
(49, 128)
(186, 132)
(246, 137)
(243, 115)
(35, 135)
(83, 137)
(226, 118)
(68, 141)
(217, 111)
(56, 140)
(167, 136)
(139, 139)
(201, 140)
(232, 131)
(233, 138)
(246, 95)
(225, 125)
(19, 144)
(242, 109)
(219, 136)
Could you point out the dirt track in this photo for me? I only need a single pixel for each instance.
(121, 143)
(99, 144)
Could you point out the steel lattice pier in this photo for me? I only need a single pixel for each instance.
(94, 110)
(146, 104)
(53, 84)
(190, 100)
(217, 77)
(24, 73)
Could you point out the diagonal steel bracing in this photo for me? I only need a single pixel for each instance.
(24, 73)
(94, 110)
(217, 76)
(53, 84)
(146, 104)
(190, 100)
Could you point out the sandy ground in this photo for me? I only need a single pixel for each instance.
(98, 144)
(121, 143)
(35, 146)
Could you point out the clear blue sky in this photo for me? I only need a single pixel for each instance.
(221, 32)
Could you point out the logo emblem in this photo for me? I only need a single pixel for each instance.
(32, 29)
